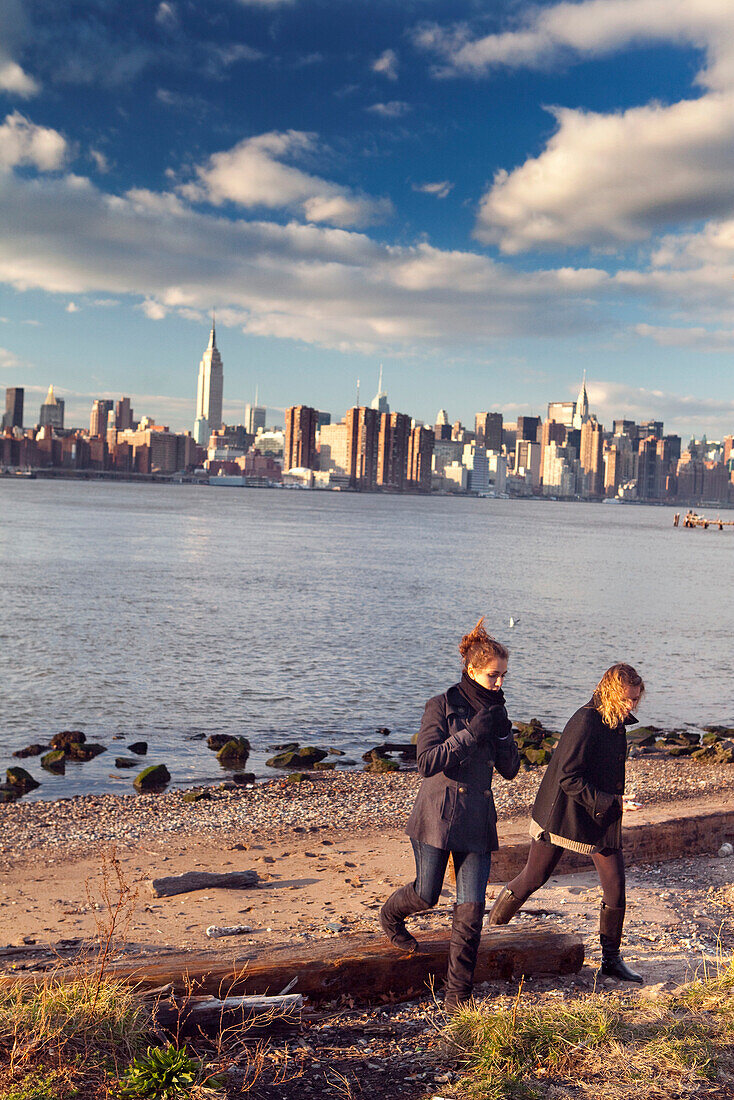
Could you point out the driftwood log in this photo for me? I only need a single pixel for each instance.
(360, 965)
(203, 880)
(212, 1016)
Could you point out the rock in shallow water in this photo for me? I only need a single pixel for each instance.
(29, 750)
(67, 738)
(22, 780)
(54, 761)
(154, 778)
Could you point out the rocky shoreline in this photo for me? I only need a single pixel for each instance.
(349, 801)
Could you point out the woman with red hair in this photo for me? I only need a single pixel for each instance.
(579, 807)
(465, 733)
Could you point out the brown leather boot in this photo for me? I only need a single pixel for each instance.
(466, 932)
(504, 908)
(610, 936)
(393, 913)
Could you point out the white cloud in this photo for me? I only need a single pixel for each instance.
(440, 190)
(14, 32)
(24, 143)
(254, 174)
(154, 311)
(72, 308)
(387, 65)
(100, 160)
(9, 360)
(166, 16)
(680, 413)
(396, 108)
(607, 179)
(593, 27)
(15, 81)
(325, 286)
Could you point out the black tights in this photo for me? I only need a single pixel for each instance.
(543, 859)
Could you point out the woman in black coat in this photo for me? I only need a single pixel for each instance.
(579, 806)
(464, 734)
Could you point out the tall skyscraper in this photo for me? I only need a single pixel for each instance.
(123, 415)
(52, 410)
(562, 412)
(592, 456)
(209, 392)
(489, 430)
(255, 416)
(98, 418)
(420, 458)
(581, 412)
(528, 428)
(442, 428)
(300, 437)
(379, 401)
(13, 407)
(363, 429)
(392, 451)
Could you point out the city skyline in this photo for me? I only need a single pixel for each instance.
(484, 202)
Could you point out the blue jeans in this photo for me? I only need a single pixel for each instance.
(472, 873)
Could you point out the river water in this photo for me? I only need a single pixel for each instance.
(158, 612)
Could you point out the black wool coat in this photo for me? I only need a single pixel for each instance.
(580, 794)
(455, 808)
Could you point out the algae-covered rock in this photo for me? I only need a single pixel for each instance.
(234, 751)
(21, 780)
(9, 793)
(337, 752)
(537, 756)
(720, 753)
(301, 758)
(217, 741)
(67, 738)
(54, 761)
(324, 766)
(723, 731)
(380, 765)
(82, 753)
(710, 738)
(288, 746)
(29, 750)
(377, 753)
(681, 750)
(642, 736)
(154, 778)
(296, 777)
(197, 796)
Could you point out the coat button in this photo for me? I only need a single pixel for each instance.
(462, 790)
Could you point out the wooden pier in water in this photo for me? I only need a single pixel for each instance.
(692, 519)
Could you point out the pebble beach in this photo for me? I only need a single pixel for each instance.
(346, 802)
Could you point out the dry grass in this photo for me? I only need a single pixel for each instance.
(612, 1045)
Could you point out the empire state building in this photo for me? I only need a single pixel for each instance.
(209, 392)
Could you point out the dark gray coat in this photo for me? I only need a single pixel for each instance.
(580, 794)
(455, 809)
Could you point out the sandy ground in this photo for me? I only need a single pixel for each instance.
(320, 882)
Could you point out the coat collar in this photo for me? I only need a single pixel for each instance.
(630, 720)
(456, 701)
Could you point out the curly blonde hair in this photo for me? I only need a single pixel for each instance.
(478, 648)
(610, 693)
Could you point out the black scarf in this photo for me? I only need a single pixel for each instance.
(479, 697)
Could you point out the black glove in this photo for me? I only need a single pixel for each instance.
(490, 723)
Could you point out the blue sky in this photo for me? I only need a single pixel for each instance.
(486, 198)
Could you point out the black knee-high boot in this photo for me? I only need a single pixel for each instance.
(466, 931)
(610, 935)
(393, 913)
